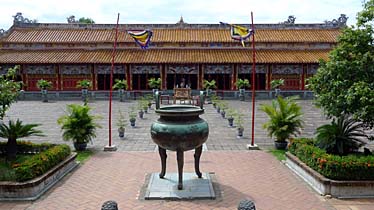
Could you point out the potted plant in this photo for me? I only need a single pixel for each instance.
(239, 119)
(78, 125)
(132, 116)
(208, 86)
(218, 106)
(284, 120)
(149, 99)
(140, 108)
(145, 106)
(224, 106)
(231, 113)
(241, 84)
(121, 123)
(121, 86)
(44, 85)
(84, 84)
(214, 99)
(155, 84)
(275, 84)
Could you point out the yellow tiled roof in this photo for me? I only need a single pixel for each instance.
(162, 56)
(38, 35)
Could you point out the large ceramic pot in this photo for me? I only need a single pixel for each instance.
(179, 129)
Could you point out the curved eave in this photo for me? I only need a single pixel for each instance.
(161, 56)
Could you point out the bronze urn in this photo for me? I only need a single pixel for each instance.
(179, 129)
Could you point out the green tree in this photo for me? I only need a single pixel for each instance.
(344, 85)
(9, 89)
(86, 20)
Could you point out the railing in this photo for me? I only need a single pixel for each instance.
(134, 95)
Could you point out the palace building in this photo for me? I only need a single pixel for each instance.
(67, 53)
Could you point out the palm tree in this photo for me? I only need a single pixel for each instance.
(342, 136)
(15, 130)
(285, 118)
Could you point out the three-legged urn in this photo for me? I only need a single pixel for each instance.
(180, 129)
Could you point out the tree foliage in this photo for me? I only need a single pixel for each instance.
(9, 89)
(86, 20)
(345, 83)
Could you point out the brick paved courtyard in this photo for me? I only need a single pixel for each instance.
(121, 175)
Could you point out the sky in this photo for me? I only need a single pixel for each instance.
(170, 11)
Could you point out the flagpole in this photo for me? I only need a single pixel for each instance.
(253, 84)
(111, 147)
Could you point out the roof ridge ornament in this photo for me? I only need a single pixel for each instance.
(19, 19)
(290, 21)
(2, 32)
(340, 22)
(71, 19)
(181, 22)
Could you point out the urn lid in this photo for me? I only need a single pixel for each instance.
(179, 110)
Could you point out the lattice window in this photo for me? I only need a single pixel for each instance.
(312, 69)
(185, 69)
(40, 69)
(247, 68)
(144, 69)
(105, 69)
(217, 69)
(287, 69)
(75, 69)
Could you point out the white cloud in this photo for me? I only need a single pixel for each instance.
(169, 11)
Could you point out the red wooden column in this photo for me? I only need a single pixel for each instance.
(23, 76)
(94, 77)
(128, 77)
(234, 77)
(270, 76)
(201, 77)
(57, 67)
(163, 77)
(303, 77)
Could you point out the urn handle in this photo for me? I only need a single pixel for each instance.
(157, 99)
(201, 99)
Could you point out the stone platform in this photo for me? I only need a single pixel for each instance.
(167, 188)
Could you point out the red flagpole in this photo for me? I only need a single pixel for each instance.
(111, 83)
(253, 81)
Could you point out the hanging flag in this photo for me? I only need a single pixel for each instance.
(239, 32)
(143, 38)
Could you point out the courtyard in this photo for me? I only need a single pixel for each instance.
(120, 176)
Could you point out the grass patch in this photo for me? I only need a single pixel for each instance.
(279, 154)
(83, 156)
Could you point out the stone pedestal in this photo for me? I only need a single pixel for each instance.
(110, 148)
(252, 147)
(167, 188)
